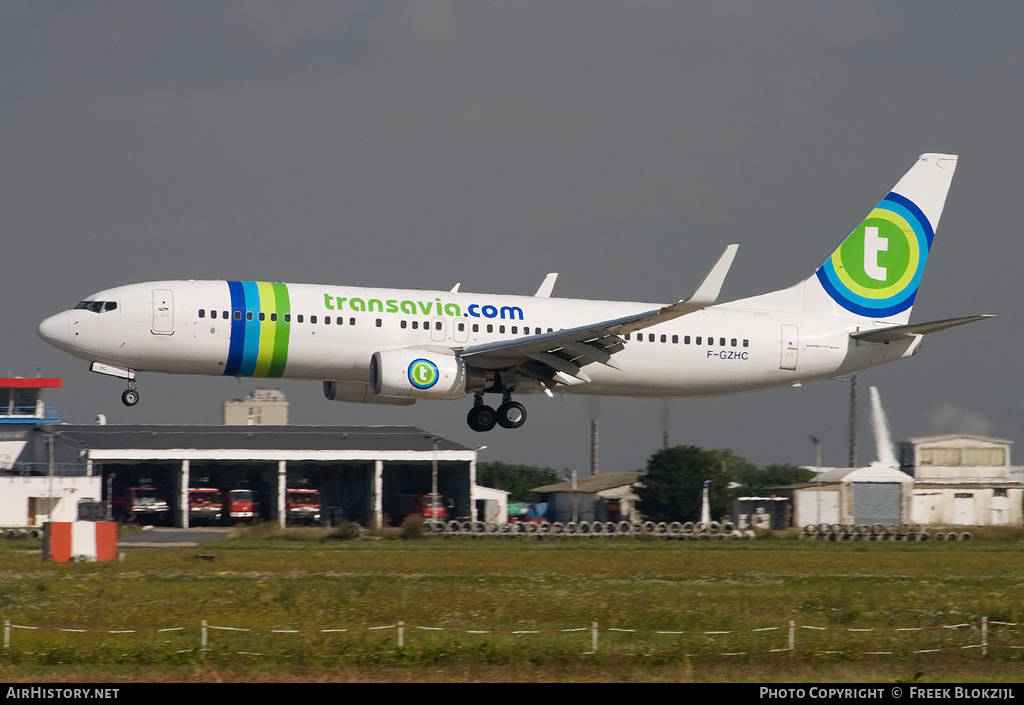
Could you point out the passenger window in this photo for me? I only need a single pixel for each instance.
(515, 329)
(490, 328)
(476, 327)
(697, 341)
(225, 315)
(287, 318)
(327, 320)
(733, 342)
(403, 325)
(686, 340)
(273, 317)
(415, 325)
(626, 336)
(721, 341)
(437, 325)
(340, 321)
(501, 329)
(202, 313)
(213, 314)
(262, 316)
(675, 339)
(248, 315)
(352, 321)
(238, 315)
(298, 318)
(312, 319)
(746, 343)
(462, 326)
(378, 323)
(664, 338)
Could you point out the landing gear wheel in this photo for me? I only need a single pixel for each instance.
(481, 418)
(130, 397)
(511, 414)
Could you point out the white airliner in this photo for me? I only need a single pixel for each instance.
(395, 346)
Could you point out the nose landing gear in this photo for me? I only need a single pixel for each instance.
(130, 396)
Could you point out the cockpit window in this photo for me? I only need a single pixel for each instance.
(97, 306)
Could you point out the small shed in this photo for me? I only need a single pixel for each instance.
(876, 494)
(603, 497)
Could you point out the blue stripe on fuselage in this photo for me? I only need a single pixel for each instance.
(251, 348)
(234, 362)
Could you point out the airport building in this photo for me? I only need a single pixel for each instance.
(374, 475)
(371, 475)
(962, 480)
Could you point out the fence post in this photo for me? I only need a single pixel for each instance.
(401, 633)
(7, 635)
(205, 638)
(593, 637)
(984, 636)
(792, 635)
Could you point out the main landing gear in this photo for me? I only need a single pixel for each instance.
(511, 414)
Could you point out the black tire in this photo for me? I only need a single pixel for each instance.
(511, 414)
(481, 418)
(130, 397)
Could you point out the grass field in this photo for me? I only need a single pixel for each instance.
(461, 599)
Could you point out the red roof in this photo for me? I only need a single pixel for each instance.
(30, 382)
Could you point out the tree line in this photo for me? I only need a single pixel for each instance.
(671, 486)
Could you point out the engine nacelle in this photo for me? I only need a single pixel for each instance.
(422, 374)
(359, 393)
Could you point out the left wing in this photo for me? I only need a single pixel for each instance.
(560, 355)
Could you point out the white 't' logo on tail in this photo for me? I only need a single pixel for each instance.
(872, 246)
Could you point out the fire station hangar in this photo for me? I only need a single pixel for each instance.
(366, 474)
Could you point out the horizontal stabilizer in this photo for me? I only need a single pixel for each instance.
(892, 334)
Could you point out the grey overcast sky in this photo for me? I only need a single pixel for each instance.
(419, 144)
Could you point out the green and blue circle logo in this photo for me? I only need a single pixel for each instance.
(878, 268)
(423, 374)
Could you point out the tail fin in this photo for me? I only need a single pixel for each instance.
(877, 269)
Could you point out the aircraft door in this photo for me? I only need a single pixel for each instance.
(163, 312)
(438, 329)
(460, 330)
(790, 347)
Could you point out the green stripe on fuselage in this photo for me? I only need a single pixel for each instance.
(282, 330)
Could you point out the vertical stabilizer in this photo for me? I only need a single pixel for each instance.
(876, 271)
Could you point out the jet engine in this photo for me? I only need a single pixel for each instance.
(359, 393)
(422, 374)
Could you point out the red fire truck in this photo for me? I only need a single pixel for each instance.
(241, 505)
(302, 506)
(205, 506)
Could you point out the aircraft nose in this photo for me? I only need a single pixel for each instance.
(54, 330)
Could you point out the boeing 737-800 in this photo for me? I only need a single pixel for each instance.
(397, 346)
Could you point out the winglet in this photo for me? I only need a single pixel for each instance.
(547, 286)
(455, 288)
(709, 289)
